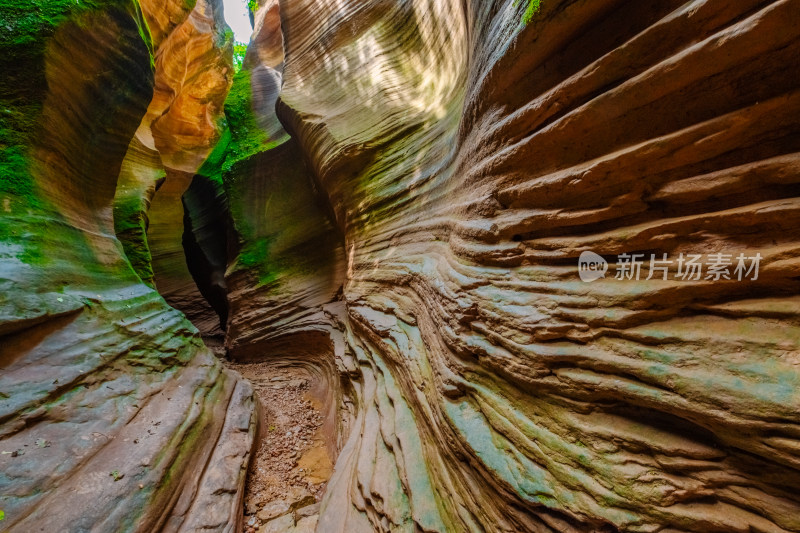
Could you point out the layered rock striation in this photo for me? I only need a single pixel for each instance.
(285, 257)
(183, 123)
(396, 200)
(469, 153)
(113, 415)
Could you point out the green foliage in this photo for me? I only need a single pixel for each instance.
(246, 136)
(252, 5)
(116, 475)
(239, 51)
(533, 7)
(227, 37)
(2, 515)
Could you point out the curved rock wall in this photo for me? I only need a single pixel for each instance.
(193, 73)
(407, 229)
(470, 151)
(113, 415)
(285, 257)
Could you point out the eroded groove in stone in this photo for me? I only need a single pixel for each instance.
(395, 206)
(193, 73)
(114, 415)
(469, 158)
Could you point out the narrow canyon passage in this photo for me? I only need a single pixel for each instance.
(287, 479)
(295, 449)
(400, 266)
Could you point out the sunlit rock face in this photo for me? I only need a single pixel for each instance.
(469, 152)
(182, 125)
(406, 227)
(285, 257)
(114, 415)
(261, 230)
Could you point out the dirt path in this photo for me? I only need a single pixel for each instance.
(291, 467)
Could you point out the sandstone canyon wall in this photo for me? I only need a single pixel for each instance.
(469, 152)
(193, 73)
(396, 199)
(113, 415)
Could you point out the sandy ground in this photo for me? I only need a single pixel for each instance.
(291, 466)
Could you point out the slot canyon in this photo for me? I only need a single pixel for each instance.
(440, 266)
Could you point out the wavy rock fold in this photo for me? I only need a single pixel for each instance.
(392, 198)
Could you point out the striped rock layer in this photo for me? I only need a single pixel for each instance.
(395, 196)
(113, 414)
(466, 154)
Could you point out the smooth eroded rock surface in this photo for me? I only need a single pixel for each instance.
(395, 204)
(193, 73)
(113, 415)
(469, 152)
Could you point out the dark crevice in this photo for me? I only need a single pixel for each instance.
(205, 242)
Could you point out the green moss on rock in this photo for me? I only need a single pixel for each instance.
(229, 164)
(532, 8)
(256, 255)
(246, 136)
(130, 228)
(25, 27)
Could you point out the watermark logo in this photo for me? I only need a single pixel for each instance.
(686, 267)
(591, 266)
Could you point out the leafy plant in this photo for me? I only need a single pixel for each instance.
(239, 51)
(533, 7)
(252, 5)
(2, 514)
(116, 475)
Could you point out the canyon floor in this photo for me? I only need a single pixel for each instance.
(288, 474)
